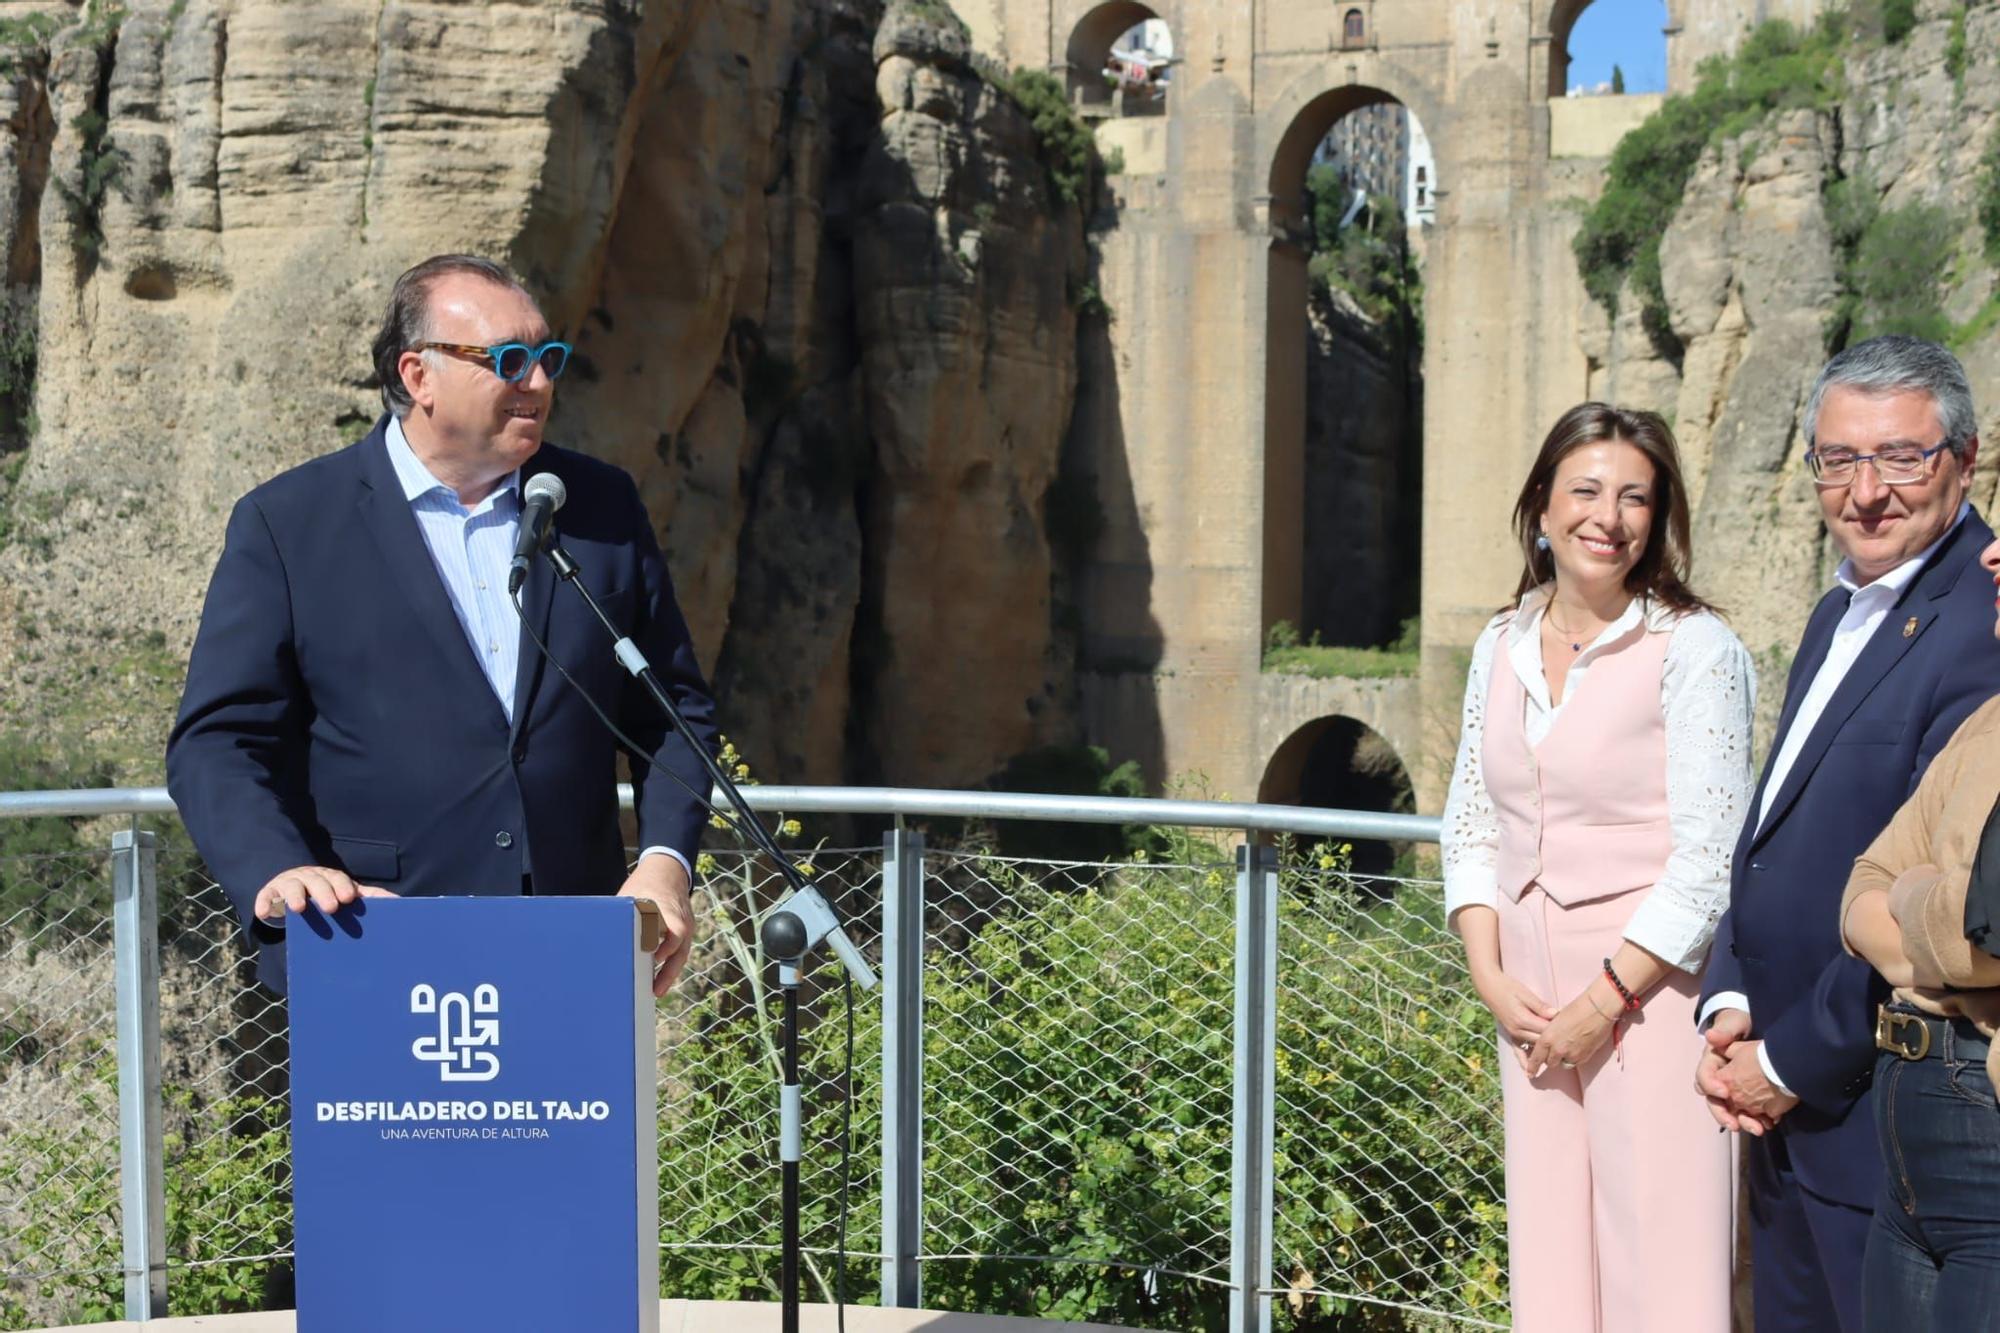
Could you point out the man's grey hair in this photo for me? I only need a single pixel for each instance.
(1899, 363)
(407, 320)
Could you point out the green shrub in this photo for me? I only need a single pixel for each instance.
(19, 351)
(227, 1188)
(1072, 770)
(1891, 273)
(99, 166)
(24, 41)
(1068, 149)
(52, 884)
(1284, 654)
(1370, 258)
(1084, 1039)
(1777, 67)
(1078, 1066)
(1898, 18)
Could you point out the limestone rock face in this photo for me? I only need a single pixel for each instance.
(963, 265)
(819, 291)
(1752, 277)
(1746, 375)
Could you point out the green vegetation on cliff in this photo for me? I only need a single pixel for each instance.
(1891, 265)
(1370, 258)
(1069, 151)
(1778, 67)
(1285, 655)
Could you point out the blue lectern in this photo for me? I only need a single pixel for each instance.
(473, 1116)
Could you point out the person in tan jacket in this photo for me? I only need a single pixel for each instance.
(1933, 1258)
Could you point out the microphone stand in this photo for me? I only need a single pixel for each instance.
(798, 924)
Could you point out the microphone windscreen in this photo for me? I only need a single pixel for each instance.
(545, 486)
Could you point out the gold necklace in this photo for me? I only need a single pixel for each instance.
(1574, 640)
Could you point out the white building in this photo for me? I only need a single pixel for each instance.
(1420, 202)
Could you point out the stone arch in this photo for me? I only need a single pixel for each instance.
(1090, 42)
(1301, 580)
(1339, 763)
(1302, 114)
(1563, 15)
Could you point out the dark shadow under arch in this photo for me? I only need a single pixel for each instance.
(1338, 763)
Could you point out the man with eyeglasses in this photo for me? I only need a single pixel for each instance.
(1892, 660)
(366, 712)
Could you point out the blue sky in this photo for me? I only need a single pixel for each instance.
(1625, 33)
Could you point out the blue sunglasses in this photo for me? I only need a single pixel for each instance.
(512, 362)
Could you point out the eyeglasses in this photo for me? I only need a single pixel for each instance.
(1898, 465)
(512, 362)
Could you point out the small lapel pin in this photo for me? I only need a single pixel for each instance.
(1910, 628)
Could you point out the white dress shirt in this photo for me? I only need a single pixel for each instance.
(1707, 694)
(1868, 604)
(471, 549)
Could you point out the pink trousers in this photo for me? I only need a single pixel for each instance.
(1619, 1186)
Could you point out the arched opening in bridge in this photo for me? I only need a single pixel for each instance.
(1120, 61)
(1354, 189)
(1603, 48)
(1337, 763)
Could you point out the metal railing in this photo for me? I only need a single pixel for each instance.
(1149, 1077)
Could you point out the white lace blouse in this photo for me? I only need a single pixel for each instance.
(1707, 692)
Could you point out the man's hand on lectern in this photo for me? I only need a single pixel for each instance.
(664, 881)
(323, 887)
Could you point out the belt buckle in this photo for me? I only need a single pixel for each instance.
(1889, 1038)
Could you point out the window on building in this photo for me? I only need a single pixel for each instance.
(1353, 28)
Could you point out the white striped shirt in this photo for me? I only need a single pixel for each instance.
(471, 549)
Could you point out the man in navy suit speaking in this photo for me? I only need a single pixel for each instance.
(365, 713)
(1893, 659)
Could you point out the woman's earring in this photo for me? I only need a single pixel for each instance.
(1542, 542)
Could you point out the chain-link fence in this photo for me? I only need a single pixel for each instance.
(1083, 1058)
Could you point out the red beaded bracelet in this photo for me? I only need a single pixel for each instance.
(1624, 991)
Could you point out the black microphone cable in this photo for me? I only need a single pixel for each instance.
(735, 822)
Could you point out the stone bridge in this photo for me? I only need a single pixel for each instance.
(1194, 404)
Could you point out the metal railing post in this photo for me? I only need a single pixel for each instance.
(135, 913)
(902, 1066)
(1252, 1164)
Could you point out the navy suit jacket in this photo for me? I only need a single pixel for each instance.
(1930, 663)
(336, 715)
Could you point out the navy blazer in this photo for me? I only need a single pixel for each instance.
(336, 715)
(1930, 663)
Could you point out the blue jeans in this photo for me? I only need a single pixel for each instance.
(1933, 1261)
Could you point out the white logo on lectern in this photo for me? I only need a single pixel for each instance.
(460, 1035)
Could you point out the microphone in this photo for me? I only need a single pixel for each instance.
(540, 498)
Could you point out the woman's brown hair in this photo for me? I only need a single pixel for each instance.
(1662, 570)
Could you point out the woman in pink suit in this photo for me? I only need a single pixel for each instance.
(1603, 772)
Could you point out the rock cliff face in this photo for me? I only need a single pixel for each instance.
(818, 284)
(1752, 272)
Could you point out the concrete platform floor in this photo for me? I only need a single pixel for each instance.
(675, 1317)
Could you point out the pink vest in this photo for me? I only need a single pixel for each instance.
(1584, 814)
